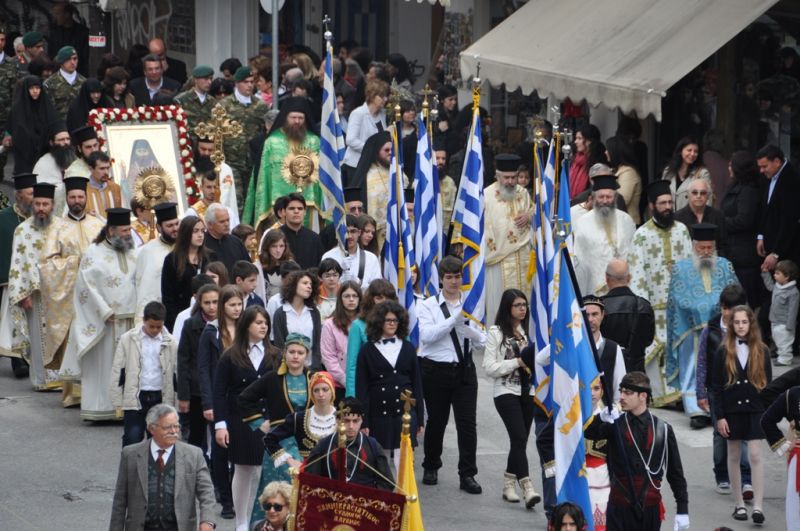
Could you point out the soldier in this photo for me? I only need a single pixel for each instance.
(196, 102)
(8, 78)
(249, 111)
(64, 85)
(34, 47)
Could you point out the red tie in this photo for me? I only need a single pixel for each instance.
(160, 460)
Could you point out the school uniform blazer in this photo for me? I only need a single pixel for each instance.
(208, 354)
(741, 396)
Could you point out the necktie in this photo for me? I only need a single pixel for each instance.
(160, 461)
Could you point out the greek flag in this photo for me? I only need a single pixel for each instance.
(549, 181)
(468, 215)
(426, 206)
(331, 154)
(398, 251)
(563, 219)
(573, 369)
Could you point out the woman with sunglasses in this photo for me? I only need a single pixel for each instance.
(512, 390)
(274, 500)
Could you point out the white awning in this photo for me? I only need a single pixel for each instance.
(622, 53)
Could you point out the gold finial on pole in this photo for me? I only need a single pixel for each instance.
(217, 130)
(408, 403)
(394, 100)
(341, 433)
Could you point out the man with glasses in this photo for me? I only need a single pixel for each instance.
(656, 246)
(154, 471)
(699, 211)
(357, 264)
(352, 205)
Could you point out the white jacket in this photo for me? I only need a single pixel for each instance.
(127, 366)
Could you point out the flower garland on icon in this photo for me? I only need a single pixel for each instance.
(158, 113)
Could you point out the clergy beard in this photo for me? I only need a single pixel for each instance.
(705, 263)
(508, 193)
(169, 240)
(607, 216)
(295, 132)
(25, 209)
(42, 223)
(77, 210)
(63, 155)
(121, 244)
(664, 219)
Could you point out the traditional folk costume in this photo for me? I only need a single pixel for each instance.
(105, 288)
(44, 264)
(150, 263)
(693, 299)
(597, 476)
(596, 245)
(787, 406)
(654, 251)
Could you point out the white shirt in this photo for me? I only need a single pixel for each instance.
(390, 350)
(182, 317)
(244, 100)
(154, 448)
(256, 354)
(154, 91)
(273, 304)
(742, 353)
(150, 375)
(69, 78)
(300, 323)
(350, 265)
(434, 330)
(201, 96)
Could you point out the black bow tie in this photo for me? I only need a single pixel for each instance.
(742, 342)
(390, 340)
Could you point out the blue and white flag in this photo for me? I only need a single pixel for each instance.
(331, 154)
(549, 181)
(562, 227)
(398, 251)
(468, 213)
(427, 247)
(573, 369)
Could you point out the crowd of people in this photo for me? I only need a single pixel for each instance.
(243, 325)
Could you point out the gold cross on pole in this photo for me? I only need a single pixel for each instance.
(341, 412)
(217, 130)
(394, 100)
(408, 402)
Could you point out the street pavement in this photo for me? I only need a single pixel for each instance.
(58, 472)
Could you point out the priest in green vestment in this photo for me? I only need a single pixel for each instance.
(289, 163)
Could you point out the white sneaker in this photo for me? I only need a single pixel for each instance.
(780, 362)
(723, 487)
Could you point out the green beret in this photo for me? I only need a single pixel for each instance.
(32, 38)
(242, 73)
(202, 71)
(64, 54)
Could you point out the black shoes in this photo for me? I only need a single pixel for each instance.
(699, 422)
(20, 368)
(430, 477)
(758, 517)
(228, 513)
(469, 485)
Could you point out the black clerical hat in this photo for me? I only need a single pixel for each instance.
(604, 182)
(409, 195)
(166, 212)
(704, 232)
(352, 194)
(75, 183)
(656, 189)
(82, 134)
(118, 217)
(24, 180)
(507, 162)
(44, 190)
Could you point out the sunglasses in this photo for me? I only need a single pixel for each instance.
(278, 507)
(698, 192)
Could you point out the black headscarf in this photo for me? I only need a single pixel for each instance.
(358, 179)
(78, 113)
(31, 122)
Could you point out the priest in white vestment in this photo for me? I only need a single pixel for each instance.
(150, 258)
(105, 302)
(51, 166)
(602, 234)
(44, 263)
(508, 233)
(86, 226)
(657, 246)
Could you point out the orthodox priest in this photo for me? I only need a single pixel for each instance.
(44, 263)
(508, 233)
(656, 246)
(86, 226)
(372, 177)
(104, 300)
(601, 235)
(694, 290)
(10, 218)
(85, 141)
(150, 257)
(289, 163)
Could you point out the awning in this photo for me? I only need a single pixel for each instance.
(622, 53)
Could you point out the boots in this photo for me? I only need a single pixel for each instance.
(530, 495)
(510, 488)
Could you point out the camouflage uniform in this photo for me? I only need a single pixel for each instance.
(196, 111)
(237, 154)
(8, 79)
(62, 93)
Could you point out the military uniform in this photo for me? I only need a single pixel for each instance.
(62, 93)
(8, 79)
(237, 154)
(196, 110)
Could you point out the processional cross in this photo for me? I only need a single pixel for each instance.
(217, 130)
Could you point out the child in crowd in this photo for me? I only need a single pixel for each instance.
(783, 310)
(245, 276)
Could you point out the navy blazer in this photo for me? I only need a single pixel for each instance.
(208, 354)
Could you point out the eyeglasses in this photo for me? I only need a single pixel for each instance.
(520, 305)
(278, 507)
(391, 321)
(170, 427)
(699, 192)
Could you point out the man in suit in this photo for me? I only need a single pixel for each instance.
(779, 236)
(160, 479)
(154, 88)
(175, 67)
